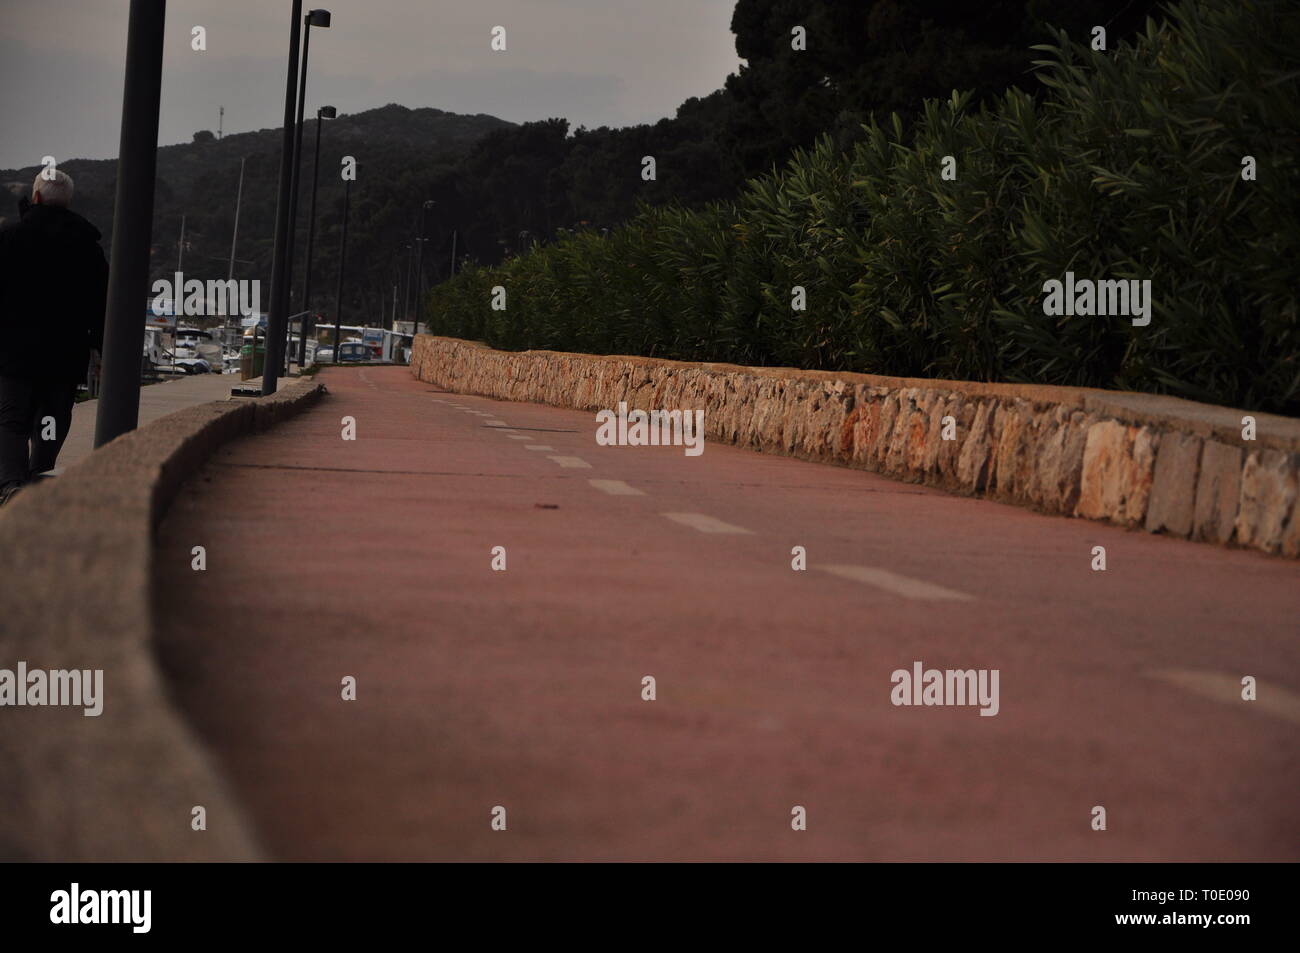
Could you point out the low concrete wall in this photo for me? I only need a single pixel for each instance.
(1139, 460)
(76, 559)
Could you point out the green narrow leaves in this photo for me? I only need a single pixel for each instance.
(1129, 167)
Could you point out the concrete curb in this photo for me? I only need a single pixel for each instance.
(1138, 460)
(76, 560)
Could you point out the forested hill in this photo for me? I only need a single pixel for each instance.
(499, 188)
(396, 149)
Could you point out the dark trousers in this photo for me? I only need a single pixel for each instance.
(29, 440)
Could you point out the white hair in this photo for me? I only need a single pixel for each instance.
(55, 191)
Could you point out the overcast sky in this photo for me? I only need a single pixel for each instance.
(594, 62)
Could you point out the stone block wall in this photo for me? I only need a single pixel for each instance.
(1142, 461)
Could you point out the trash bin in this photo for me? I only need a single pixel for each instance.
(252, 355)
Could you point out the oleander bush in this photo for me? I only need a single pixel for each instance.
(1129, 166)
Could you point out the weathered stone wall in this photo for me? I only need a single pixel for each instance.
(1138, 460)
(76, 559)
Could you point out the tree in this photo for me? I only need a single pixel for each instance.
(884, 56)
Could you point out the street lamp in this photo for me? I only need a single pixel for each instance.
(406, 295)
(324, 112)
(319, 18)
(276, 322)
(419, 270)
(128, 277)
(343, 253)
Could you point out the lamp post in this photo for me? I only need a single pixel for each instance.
(419, 268)
(399, 289)
(343, 252)
(234, 237)
(324, 112)
(277, 325)
(128, 278)
(320, 18)
(406, 295)
(276, 322)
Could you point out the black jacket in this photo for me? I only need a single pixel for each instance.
(53, 289)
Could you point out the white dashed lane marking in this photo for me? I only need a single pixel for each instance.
(616, 488)
(540, 446)
(706, 524)
(573, 463)
(1270, 698)
(892, 582)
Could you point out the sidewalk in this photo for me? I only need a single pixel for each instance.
(156, 400)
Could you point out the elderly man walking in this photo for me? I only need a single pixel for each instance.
(53, 286)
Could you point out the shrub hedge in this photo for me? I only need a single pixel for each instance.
(1128, 167)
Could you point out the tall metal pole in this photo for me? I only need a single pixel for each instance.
(293, 186)
(311, 238)
(180, 250)
(128, 277)
(276, 321)
(419, 268)
(234, 238)
(399, 280)
(406, 300)
(313, 18)
(398, 289)
(343, 252)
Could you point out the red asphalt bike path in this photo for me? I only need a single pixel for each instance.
(522, 689)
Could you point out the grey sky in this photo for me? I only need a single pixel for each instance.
(595, 62)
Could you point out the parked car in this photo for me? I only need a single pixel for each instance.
(324, 355)
(354, 351)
